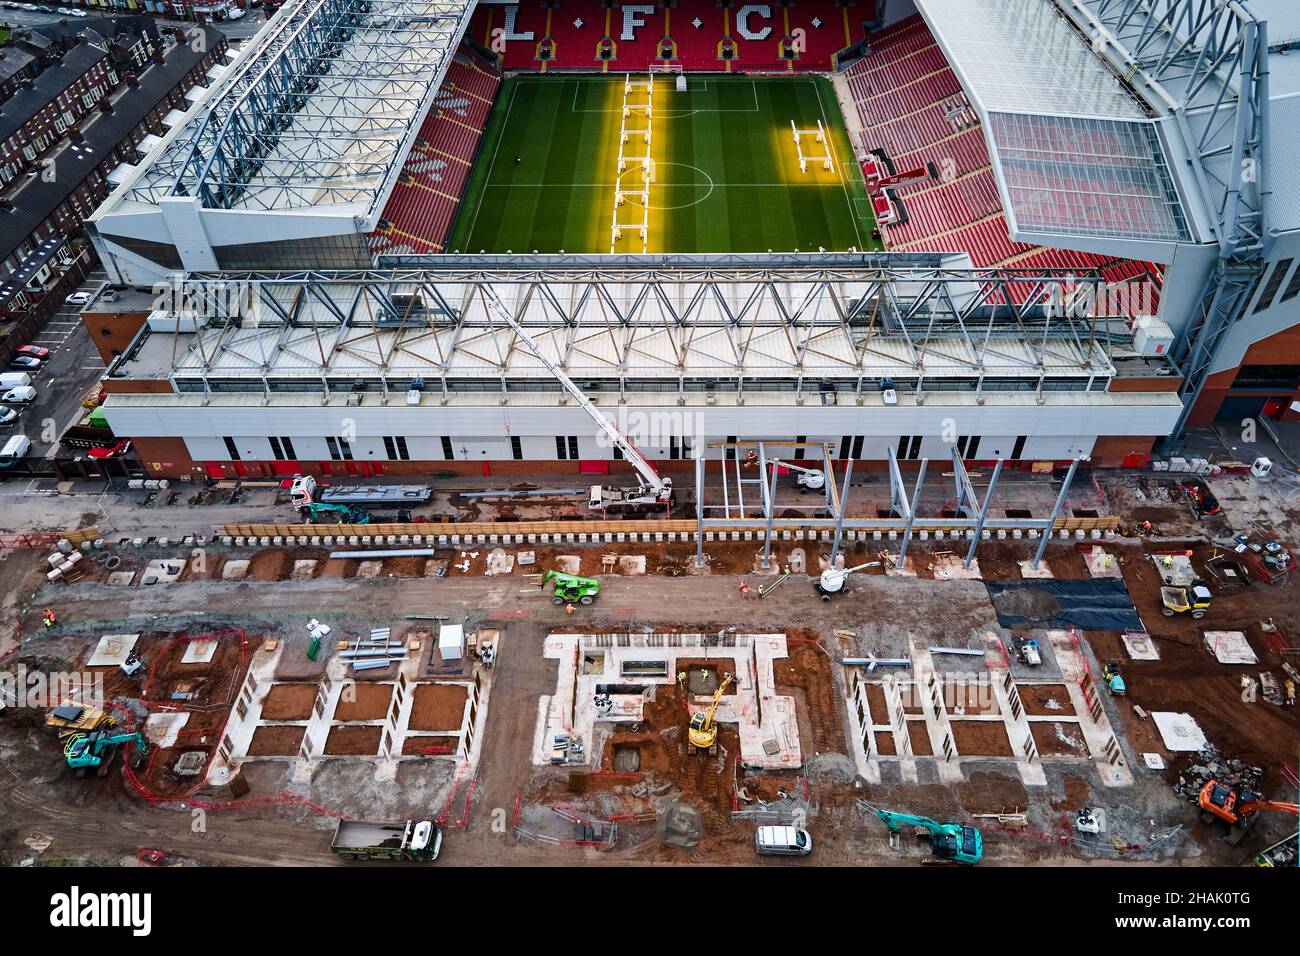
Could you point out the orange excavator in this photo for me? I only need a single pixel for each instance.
(1237, 808)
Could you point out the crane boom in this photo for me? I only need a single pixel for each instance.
(649, 478)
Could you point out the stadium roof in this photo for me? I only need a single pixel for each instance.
(319, 109)
(1076, 152)
(844, 317)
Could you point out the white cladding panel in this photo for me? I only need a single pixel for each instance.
(484, 431)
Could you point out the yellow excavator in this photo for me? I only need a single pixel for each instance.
(703, 732)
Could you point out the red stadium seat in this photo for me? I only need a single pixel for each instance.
(913, 110)
(422, 207)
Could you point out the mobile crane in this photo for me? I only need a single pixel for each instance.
(1237, 808)
(703, 732)
(653, 492)
(95, 750)
(949, 842)
(808, 479)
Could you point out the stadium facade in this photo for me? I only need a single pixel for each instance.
(288, 325)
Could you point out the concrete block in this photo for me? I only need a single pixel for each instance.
(1016, 534)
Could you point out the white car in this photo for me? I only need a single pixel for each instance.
(7, 415)
(235, 13)
(21, 395)
(78, 298)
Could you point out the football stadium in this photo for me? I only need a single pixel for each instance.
(1027, 231)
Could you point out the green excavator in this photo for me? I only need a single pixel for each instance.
(949, 842)
(95, 750)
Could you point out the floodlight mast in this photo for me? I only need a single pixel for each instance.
(654, 488)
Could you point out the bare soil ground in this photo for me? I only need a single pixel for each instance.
(438, 706)
(289, 702)
(354, 740)
(1054, 739)
(364, 702)
(981, 738)
(276, 741)
(1045, 700)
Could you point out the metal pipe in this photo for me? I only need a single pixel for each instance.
(1056, 511)
(984, 513)
(911, 512)
(699, 507)
(839, 518)
(399, 553)
(769, 489)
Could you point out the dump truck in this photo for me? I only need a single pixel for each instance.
(367, 840)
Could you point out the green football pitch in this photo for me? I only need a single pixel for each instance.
(726, 173)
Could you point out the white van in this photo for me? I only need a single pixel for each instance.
(19, 396)
(782, 841)
(10, 380)
(14, 450)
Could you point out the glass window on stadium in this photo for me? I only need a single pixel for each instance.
(1274, 283)
(1267, 376)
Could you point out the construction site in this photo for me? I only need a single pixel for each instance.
(545, 690)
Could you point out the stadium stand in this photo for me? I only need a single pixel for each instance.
(913, 111)
(575, 31)
(422, 207)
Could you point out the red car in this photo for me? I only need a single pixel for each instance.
(33, 351)
(113, 451)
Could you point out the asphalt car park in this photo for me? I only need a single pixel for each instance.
(69, 370)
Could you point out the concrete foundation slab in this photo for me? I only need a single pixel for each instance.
(1031, 573)
(1140, 647)
(568, 563)
(163, 571)
(1230, 647)
(163, 730)
(631, 564)
(1179, 732)
(121, 579)
(1101, 563)
(234, 570)
(199, 652)
(499, 562)
(304, 570)
(370, 569)
(112, 650)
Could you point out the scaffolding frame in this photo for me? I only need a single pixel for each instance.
(819, 135)
(638, 106)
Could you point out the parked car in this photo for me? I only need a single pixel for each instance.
(35, 351)
(7, 415)
(24, 363)
(22, 395)
(78, 298)
(113, 451)
(235, 13)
